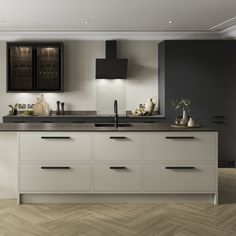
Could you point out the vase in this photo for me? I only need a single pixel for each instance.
(184, 120)
(191, 122)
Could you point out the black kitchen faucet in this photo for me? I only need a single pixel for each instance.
(116, 117)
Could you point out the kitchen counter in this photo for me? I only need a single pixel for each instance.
(90, 127)
(80, 117)
(84, 114)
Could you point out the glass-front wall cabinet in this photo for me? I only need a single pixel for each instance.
(35, 67)
(48, 68)
(21, 68)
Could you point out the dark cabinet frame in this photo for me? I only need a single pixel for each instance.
(34, 45)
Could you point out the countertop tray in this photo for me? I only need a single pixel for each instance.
(185, 126)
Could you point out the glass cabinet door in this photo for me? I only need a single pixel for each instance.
(21, 68)
(48, 68)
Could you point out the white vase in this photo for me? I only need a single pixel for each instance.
(191, 122)
(184, 120)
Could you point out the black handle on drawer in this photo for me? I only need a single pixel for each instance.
(218, 121)
(180, 137)
(117, 137)
(55, 137)
(46, 121)
(118, 167)
(179, 167)
(55, 167)
(219, 117)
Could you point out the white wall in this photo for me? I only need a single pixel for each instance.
(80, 83)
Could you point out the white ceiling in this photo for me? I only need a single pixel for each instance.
(115, 15)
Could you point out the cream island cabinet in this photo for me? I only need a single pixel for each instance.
(117, 166)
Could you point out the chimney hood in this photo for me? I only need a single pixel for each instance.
(111, 67)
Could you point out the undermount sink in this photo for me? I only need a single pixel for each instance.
(112, 125)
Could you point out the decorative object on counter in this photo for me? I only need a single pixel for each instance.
(58, 108)
(191, 122)
(45, 106)
(184, 120)
(185, 126)
(147, 108)
(28, 113)
(13, 110)
(177, 121)
(41, 107)
(182, 104)
(38, 110)
(62, 108)
(140, 111)
(150, 105)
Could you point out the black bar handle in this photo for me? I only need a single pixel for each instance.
(55, 167)
(218, 121)
(117, 137)
(180, 137)
(219, 117)
(55, 137)
(118, 167)
(180, 167)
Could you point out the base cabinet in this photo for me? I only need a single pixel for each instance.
(60, 177)
(136, 163)
(118, 177)
(174, 177)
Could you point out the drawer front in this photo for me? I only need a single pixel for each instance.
(110, 177)
(55, 146)
(180, 146)
(60, 177)
(179, 178)
(117, 147)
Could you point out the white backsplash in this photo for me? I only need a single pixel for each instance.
(106, 92)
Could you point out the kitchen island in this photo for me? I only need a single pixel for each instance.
(141, 163)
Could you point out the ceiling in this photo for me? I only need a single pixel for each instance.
(116, 15)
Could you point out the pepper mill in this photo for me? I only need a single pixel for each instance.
(62, 108)
(58, 108)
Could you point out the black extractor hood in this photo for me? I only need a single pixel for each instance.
(111, 67)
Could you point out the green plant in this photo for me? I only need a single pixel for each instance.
(15, 107)
(181, 103)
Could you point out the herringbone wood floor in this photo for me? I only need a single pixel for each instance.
(124, 219)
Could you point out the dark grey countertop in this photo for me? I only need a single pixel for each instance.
(82, 114)
(90, 127)
(79, 117)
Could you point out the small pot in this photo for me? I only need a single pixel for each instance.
(14, 111)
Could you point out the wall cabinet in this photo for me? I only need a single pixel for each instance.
(98, 163)
(204, 71)
(34, 67)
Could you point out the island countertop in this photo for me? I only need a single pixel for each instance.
(90, 127)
